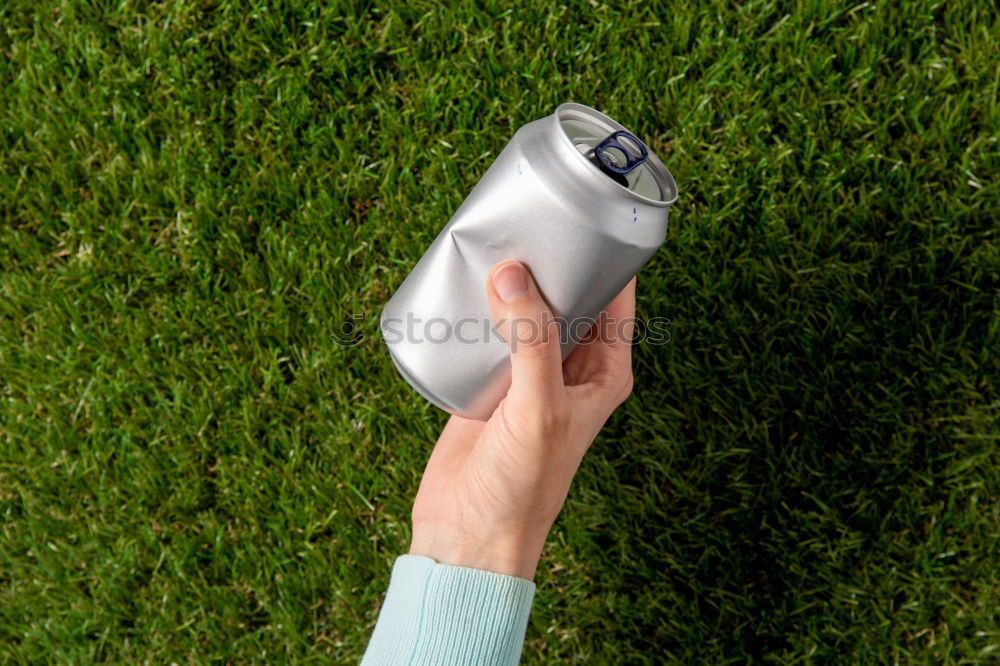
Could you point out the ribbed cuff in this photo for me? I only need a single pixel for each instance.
(439, 614)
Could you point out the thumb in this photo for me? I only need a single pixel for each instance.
(525, 321)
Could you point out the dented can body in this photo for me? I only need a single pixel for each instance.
(582, 230)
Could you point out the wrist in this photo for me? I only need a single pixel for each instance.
(509, 554)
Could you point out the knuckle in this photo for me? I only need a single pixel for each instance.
(555, 420)
(543, 352)
(528, 335)
(616, 388)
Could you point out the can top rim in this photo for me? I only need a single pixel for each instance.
(658, 170)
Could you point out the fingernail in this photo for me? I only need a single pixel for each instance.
(511, 283)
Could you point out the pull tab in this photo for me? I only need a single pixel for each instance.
(619, 154)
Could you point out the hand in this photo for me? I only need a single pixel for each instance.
(492, 490)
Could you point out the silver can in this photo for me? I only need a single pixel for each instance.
(575, 197)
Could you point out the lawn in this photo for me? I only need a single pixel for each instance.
(195, 196)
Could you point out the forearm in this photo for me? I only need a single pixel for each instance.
(440, 614)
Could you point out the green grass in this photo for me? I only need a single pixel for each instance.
(195, 196)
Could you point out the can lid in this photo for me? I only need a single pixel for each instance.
(617, 152)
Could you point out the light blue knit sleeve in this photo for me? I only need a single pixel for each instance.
(439, 614)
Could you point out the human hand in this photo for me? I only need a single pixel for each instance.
(491, 490)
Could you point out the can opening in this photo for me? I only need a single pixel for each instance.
(616, 156)
(626, 160)
(619, 154)
(617, 177)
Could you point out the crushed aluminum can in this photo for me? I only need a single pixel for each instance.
(574, 196)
